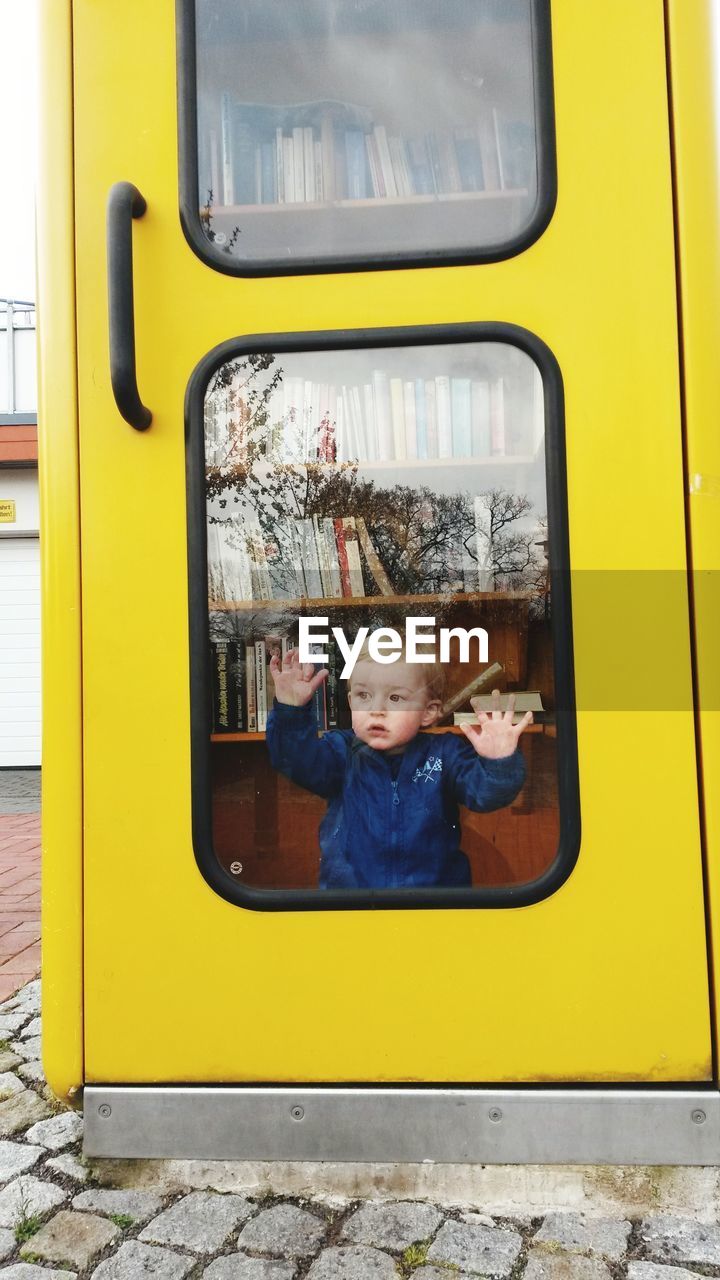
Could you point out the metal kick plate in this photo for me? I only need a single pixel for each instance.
(453, 1125)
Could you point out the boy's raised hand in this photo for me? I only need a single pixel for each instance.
(495, 735)
(295, 682)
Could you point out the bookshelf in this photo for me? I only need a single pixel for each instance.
(339, 130)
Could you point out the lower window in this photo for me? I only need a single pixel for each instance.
(381, 656)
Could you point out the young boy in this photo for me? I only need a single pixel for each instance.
(393, 791)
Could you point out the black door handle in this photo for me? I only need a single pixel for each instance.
(124, 203)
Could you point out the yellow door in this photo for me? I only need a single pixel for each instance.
(604, 978)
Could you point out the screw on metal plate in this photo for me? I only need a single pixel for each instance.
(698, 1117)
(104, 1111)
(297, 1113)
(495, 1114)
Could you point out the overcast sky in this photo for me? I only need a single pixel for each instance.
(18, 148)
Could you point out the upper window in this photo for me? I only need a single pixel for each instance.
(340, 133)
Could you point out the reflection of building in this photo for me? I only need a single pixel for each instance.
(19, 542)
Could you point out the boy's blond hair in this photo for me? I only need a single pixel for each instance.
(433, 671)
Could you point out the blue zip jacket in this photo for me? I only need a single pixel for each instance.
(381, 832)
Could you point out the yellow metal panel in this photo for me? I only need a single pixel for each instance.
(60, 564)
(695, 74)
(606, 980)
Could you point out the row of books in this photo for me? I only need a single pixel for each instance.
(388, 419)
(242, 684)
(320, 557)
(323, 151)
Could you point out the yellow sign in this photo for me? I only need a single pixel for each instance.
(7, 512)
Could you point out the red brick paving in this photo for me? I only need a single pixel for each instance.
(19, 900)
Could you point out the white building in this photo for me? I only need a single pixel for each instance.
(19, 540)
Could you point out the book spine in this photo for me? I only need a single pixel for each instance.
(309, 163)
(385, 160)
(332, 558)
(383, 414)
(279, 172)
(372, 558)
(431, 418)
(397, 408)
(342, 557)
(497, 417)
(480, 413)
(261, 673)
(220, 706)
(288, 151)
(461, 425)
(421, 418)
(444, 416)
(327, 146)
(370, 434)
(268, 194)
(355, 160)
(228, 196)
(332, 687)
(357, 586)
(239, 693)
(298, 164)
(251, 688)
(311, 563)
(323, 559)
(410, 421)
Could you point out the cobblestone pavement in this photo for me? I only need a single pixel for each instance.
(57, 1220)
(19, 790)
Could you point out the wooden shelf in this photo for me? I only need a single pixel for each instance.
(448, 728)
(356, 602)
(369, 202)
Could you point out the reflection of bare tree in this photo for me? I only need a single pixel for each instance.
(427, 542)
(226, 243)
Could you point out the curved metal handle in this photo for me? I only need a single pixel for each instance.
(124, 203)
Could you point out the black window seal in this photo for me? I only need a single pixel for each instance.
(561, 620)
(228, 264)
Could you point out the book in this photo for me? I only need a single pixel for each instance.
(355, 162)
(444, 416)
(323, 557)
(221, 697)
(352, 549)
(332, 686)
(261, 675)
(397, 409)
(497, 416)
(342, 556)
(410, 419)
(251, 688)
(420, 418)
(525, 700)
(463, 695)
(469, 159)
(461, 419)
(332, 557)
(310, 559)
(237, 661)
(431, 418)
(480, 418)
(372, 558)
(383, 414)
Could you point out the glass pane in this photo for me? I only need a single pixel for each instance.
(343, 130)
(368, 488)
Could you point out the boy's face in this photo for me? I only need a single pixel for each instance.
(390, 704)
